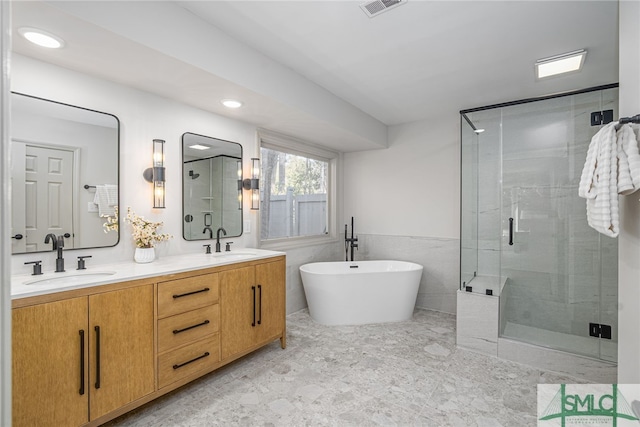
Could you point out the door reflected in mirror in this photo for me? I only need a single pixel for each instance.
(64, 174)
(212, 187)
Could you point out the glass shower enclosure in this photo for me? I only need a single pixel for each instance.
(524, 233)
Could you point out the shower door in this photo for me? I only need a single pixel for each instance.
(561, 275)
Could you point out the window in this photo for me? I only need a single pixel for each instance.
(296, 190)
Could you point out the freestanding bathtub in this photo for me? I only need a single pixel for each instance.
(356, 293)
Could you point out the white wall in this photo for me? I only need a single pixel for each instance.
(406, 203)
(5, 221)
(629, 238)
(411, 188)
(143, 117)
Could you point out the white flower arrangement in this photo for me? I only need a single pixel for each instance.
(144, 232)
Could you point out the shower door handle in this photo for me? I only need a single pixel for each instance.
(510, 231)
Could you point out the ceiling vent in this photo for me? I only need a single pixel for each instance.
(375, 8)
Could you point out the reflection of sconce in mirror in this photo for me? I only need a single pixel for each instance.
(156, 173)
(240, 184)
(253, 183)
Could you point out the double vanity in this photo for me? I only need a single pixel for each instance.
(90, 346)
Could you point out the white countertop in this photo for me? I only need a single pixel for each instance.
(26, 285)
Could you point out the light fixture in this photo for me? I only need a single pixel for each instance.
(199, 147)
(559, 64)
(478, 130)
(41, 38)
(155, 174)
(231, 103)
(253, 183)
(240, 184)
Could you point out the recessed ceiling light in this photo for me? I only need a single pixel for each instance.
(231, 103)
(199, 147)
(41, 38)
(559, 64)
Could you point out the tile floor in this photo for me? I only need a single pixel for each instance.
(399, 374)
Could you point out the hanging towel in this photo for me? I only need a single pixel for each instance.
(106, 198)
(612, 167)
(599, 181)
(629, 173)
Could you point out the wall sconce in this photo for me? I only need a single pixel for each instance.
(156, 174)
(253, 183)
(240, 184)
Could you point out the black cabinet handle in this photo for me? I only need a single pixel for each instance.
(510, 231)
(253, 289)
(67, 235)
(260, 309)
(177, 331)
(17, 236)
(191, 293)
(191, 361)
(97, 329)
(81, 362)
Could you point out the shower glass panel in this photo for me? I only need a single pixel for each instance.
(469, 205)
(556, 274)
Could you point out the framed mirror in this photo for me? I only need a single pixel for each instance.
(211, 187)
(64, 174)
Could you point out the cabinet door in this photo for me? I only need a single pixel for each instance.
(121, 349)
(238, 296)
(270, 280)
(49, 388)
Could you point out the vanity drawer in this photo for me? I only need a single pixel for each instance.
(191, 326)
(179, 296)
(199, 356)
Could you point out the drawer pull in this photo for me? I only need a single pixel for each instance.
(81, 362)
(253, 289)
(191, 293)
(191, 361)
(177, 331)
(260, 310)
(97, 329)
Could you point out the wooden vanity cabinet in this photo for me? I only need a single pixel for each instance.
(252, 308)
(77, 359)
(49, 351)
(83, 357)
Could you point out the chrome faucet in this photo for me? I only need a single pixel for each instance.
(57, 243)
(218, 237)
(207, 228)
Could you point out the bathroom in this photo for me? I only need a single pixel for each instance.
(417, 219)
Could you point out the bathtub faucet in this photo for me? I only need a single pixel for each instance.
(349, 242)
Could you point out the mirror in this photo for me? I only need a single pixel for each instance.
(64, 174)
(211, 187)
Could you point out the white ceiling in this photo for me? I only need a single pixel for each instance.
(323, 70)
(411, 61)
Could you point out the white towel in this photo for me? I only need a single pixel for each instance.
(628, 161)
(106, 198)
(598, 182)
(630, 146)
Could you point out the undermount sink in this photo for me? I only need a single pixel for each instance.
(72, 278)
(234, 255)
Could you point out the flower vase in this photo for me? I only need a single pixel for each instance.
(144, 255)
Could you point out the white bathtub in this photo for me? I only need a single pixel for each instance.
(356, 293)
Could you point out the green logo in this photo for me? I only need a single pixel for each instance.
(588, 406)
